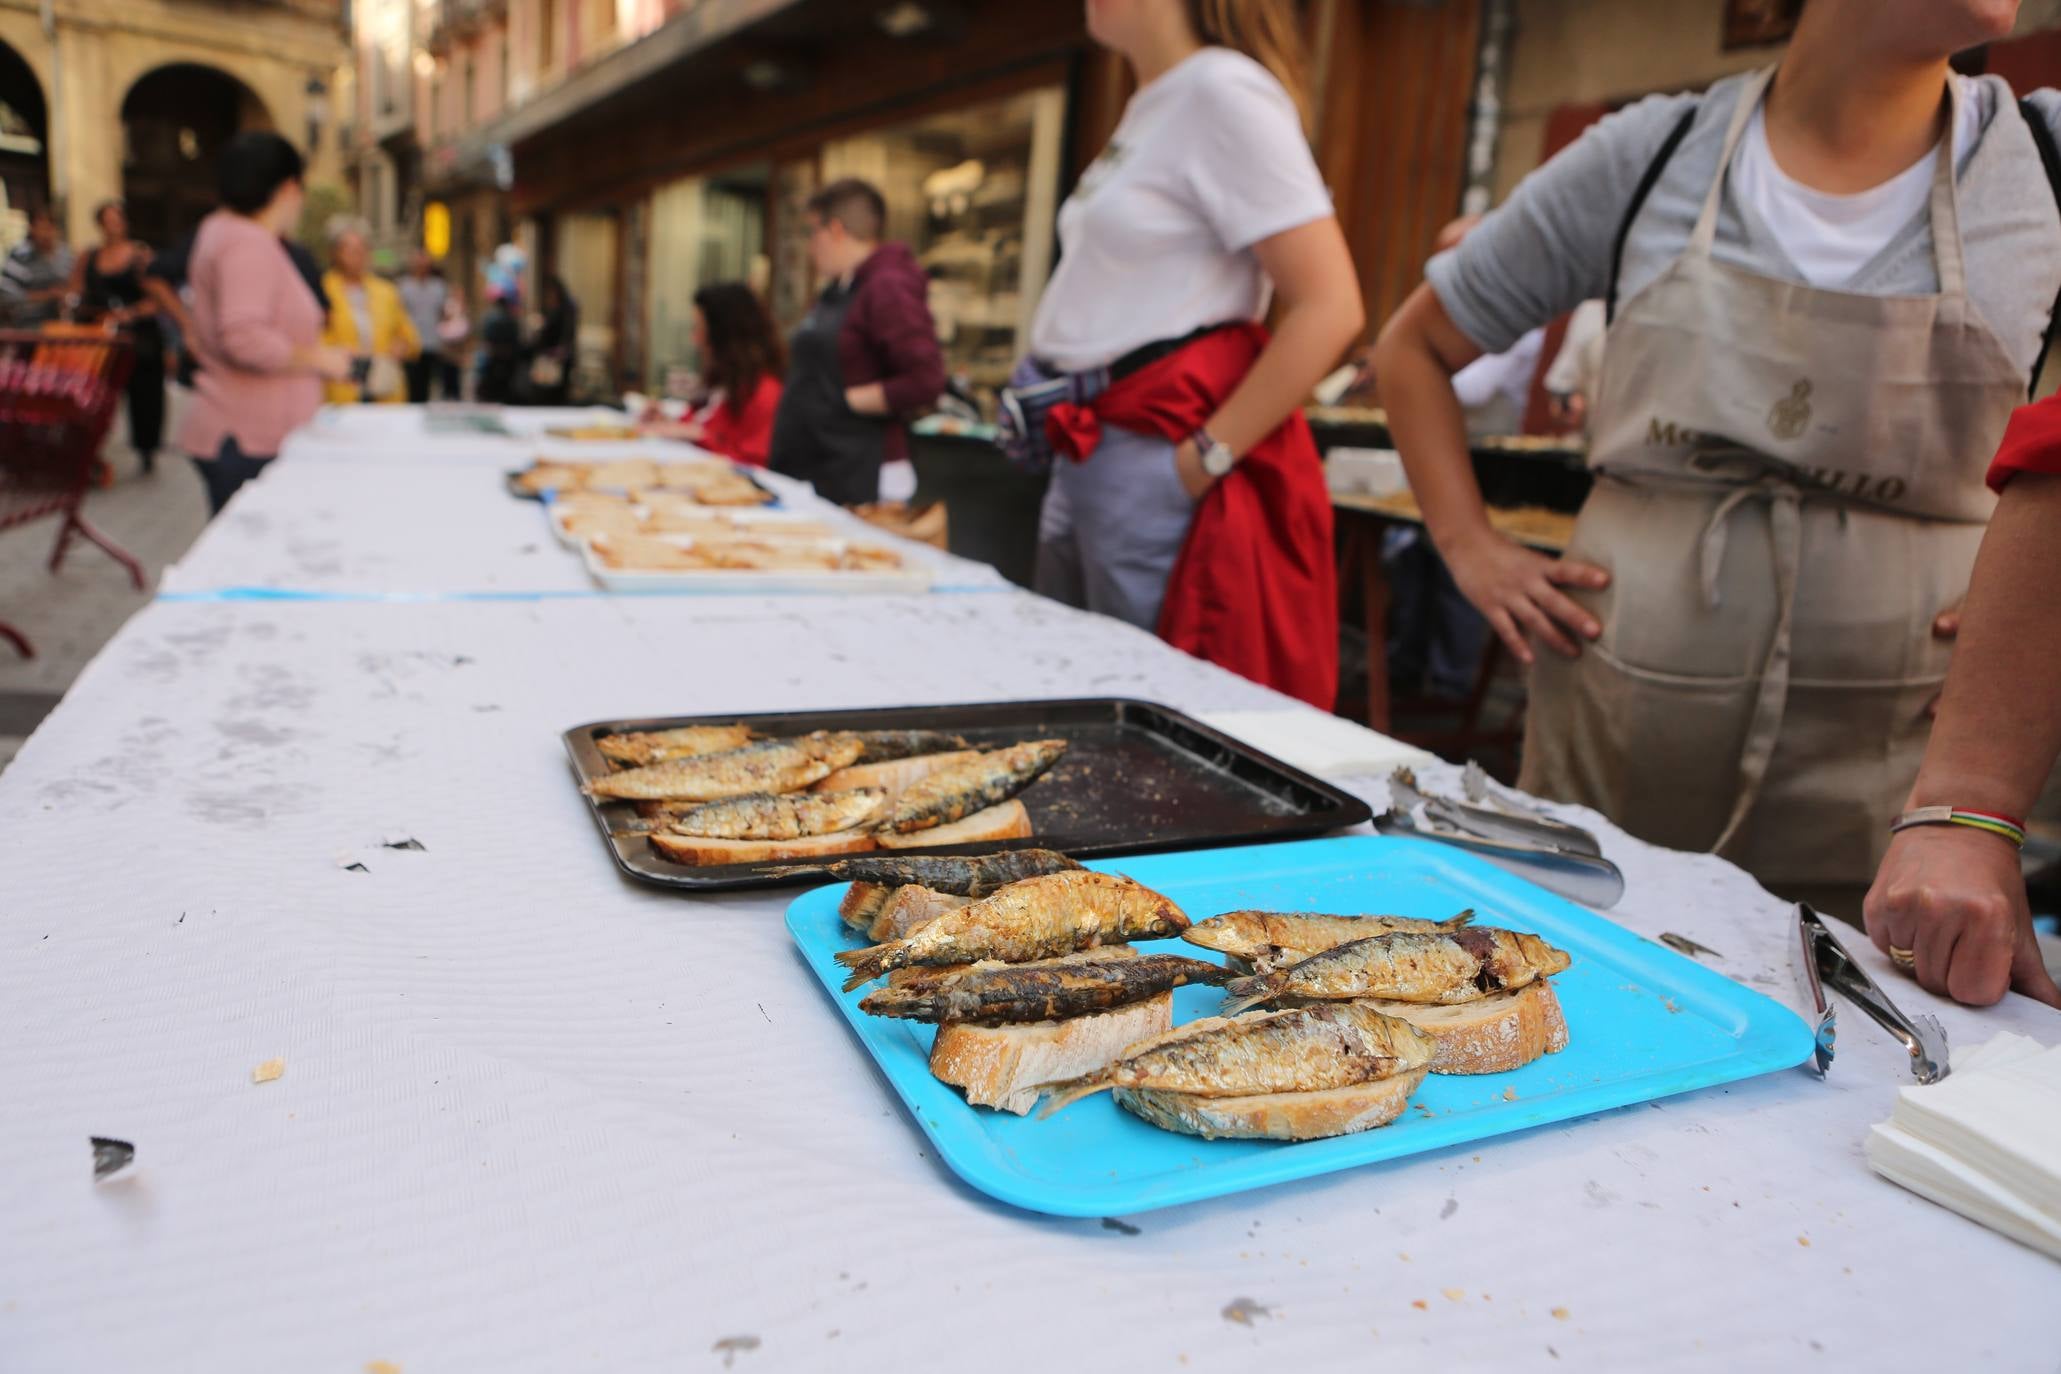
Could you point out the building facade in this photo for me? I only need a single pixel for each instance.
(129, 99)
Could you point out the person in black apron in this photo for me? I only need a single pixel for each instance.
(817, 436)
(865, 359)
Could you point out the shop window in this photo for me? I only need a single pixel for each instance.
(975, 193)
(703, 230)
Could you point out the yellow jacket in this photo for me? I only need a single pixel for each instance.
(390, 325)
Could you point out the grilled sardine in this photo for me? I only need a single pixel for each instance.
(1037, 918)
(763, 816)
(1310, 1049)
(978, 875)
(774, 765)
(1431, 969)
(993, 994)
(1284, 937)
(982, 781)
(882, 745)
(641, 747)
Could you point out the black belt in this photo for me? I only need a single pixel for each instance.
(1146, 354)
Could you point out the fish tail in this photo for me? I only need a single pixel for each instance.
(866, 964)
(1245, 993)
(1070, 1091)
(1455, 922)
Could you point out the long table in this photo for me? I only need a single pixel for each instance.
(535, 1117)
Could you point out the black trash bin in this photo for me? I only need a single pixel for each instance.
(991, 506)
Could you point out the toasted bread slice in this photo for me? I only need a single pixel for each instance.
(1503, 1031)
(1006, 821)
(1003, 1066)
(910, 908)
(1277, 1116)
(892, 775)
(862, 904)
(689, 849)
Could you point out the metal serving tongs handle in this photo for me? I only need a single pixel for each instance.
(1588, 879)
(1923, 1036)
(1506, 826)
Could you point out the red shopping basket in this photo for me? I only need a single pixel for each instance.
(58, 393)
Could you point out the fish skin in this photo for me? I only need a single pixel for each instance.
(1435, 970)
(765, 816)
(976, 875)
(985, 780)
(641, 747)
(1263, 936)
(993, 994)
(908, 909)
(1038, 918)
(1308, 1049)
(884, 745)
(774, 765)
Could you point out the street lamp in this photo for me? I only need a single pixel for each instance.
(318, 111)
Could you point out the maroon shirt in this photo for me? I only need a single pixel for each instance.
(890, 338)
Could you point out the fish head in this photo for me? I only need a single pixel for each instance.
(1542, 956)
(1230, 933)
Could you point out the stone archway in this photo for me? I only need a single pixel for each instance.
(175, 120)
(24, 134)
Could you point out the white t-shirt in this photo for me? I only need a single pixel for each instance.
(1495, 388)
(1156, 241)
(1831, 238)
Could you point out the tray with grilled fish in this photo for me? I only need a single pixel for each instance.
(714, 802)
(1159, 1029)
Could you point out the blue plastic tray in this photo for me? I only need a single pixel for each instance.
(1643, 1022)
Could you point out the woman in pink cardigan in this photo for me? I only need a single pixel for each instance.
(256, 326)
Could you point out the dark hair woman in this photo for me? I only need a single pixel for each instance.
(741, 363)
(554, 348)
(256, 326)
(108, 281)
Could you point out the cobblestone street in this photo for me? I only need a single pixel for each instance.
(69, 614)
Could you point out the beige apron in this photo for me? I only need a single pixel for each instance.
(1790, 489)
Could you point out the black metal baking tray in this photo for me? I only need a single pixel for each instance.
(1137, 777)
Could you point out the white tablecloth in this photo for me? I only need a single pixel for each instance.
(535, 1117)
(373, 506)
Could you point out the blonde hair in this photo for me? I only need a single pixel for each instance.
(1265, 31)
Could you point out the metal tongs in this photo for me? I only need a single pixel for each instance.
(1825, 962)
(1560, 857)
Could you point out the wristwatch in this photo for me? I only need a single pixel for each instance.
(1216, 455)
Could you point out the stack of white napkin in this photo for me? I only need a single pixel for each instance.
(1985, 1141)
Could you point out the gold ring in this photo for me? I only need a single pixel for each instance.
(1903, 958)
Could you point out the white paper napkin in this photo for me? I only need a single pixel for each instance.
(1985, 1141)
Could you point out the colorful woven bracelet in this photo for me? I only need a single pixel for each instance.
(2005, 827)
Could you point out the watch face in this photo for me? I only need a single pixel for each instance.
(1216, 460)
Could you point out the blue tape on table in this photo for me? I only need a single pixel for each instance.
(291, 594)
(1643, 1023)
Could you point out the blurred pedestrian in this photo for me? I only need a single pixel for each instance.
(366, 319)
(500, 346)
(255, 326)
(427, 297)
(865, 359)
(108, 282)
(38, 274)
(1191, 499)
(554, 346)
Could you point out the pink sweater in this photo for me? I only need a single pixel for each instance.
(251, 311)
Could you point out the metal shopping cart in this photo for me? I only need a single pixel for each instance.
(58, 393)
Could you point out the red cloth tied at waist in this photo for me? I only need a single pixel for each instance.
(2032, 443)
(1255, 589)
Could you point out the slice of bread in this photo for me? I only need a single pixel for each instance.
(862, 905)
(1005, 821)
(892, 775)
(1503, 1031)
(1276, 1116)
(910, 908)
(690, 849)
(1003, 1066)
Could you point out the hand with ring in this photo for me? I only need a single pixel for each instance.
(1949, 907)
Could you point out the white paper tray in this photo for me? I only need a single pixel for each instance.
(911, 579)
